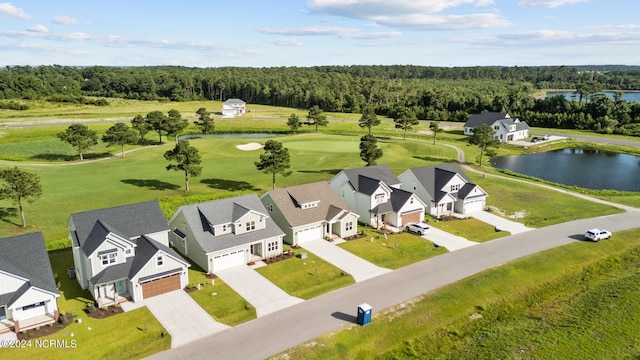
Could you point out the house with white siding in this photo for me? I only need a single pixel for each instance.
(506, 128)
(232, 108)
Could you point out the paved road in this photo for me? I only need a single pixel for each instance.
(448, 240)
(279, 331)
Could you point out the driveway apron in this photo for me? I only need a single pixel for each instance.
(257, 290)
(182, 317)
(500, 223)
(357, 267)
(450, 241)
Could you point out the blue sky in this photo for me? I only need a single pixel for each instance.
(266, 33)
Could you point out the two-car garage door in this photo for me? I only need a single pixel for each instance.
(228, 260)
(160, 286)
(411, 217)
(312, 233)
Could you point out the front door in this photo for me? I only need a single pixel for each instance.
(120, 286)
(3, 312)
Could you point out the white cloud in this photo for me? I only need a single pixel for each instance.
(285, 42)
(7, 9)
(341, 32)
(38, 29)
(65, 20)
(368, 8)
(444, 22)
(549, 3)
(567, 39)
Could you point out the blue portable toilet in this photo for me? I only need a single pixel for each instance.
(364, 314)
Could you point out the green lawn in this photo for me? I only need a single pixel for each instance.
(299, 278)
(469, 228)
(383, 252)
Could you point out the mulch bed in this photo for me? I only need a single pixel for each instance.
(357, 236)
(45, 330)
(283, 256)
(104, 313)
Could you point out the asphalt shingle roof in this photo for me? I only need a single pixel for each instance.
(485, 118)
(378, 172)
(434, 178)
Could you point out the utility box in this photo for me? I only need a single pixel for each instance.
(364, 314)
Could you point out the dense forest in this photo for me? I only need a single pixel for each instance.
(431, 93)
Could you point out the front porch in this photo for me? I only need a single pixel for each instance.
(116, 299)
(27, 324)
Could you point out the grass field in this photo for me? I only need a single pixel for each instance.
(469, 228)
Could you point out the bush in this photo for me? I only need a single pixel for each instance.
(13, 105)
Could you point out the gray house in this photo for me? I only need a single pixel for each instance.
(506, 128)
(445, 189)
(221, 234)
(28, 289)
(122, 253)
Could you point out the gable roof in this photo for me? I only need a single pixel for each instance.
(130, 220)
(288, 199)
(433, 178)
(234, 101)
(375, 172)
(485, 118)
(26, 256)
(218, 212)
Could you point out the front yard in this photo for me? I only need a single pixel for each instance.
(469, 228)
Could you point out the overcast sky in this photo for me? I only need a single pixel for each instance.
(266, 33)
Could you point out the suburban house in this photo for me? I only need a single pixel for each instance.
(28, 290)
(309, 212)
(374, 193)
(233, 107)
(122, 253)
(224, 233)
(506, 128)
(445, 189)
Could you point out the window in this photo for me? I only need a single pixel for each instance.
(32, 306)
(3, 312)
(455, 187)
(251, 225)
(379, 198)
(269, 207)
(272, 246)
(159, 260)
(348, 226)
(108, 259)
(496, 127)
(411, 200)
(224, 228)
(127, 251)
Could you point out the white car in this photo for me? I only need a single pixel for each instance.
(597, 234)
(418, 228)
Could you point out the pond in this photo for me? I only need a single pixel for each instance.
(590, 169)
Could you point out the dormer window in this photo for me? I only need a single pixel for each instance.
(224, 228)
(269, 207)
(108, 259)
(127, 252)
(251, 225)
(455, 187)
(379, 198)
(159, 260)
(309, 205)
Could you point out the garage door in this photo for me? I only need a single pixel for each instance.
(160, 286)
(473, 206)
(411, 217)
(231, 259)
(312, 233)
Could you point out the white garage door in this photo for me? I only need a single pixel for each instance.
(225, 261)
(312, 233)
(473, 206)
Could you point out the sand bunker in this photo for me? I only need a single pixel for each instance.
(249, 146)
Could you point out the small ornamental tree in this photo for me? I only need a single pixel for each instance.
(274, 160)
(368, 118)
(187, 159)
(435, 128)
(484, 137)
(204, 122)
(293, 122)
(141, 124)
(19, 186)
(369, 150)
(120, 134)
(316, 117)
(80, 137)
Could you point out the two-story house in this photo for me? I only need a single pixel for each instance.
(309, 212)
(224, 233)
(506, 128)
(233, 107)
(445, 189)
(374, 193)
(28, 289)
(122, 253)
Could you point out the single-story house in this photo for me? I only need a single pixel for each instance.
(445, 189)
(232, 108)
(374, 193)
(309, 212)
(28, 289)
(506, 128)
(122, 253)
(224, 233)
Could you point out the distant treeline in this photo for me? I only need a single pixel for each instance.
(434, 93)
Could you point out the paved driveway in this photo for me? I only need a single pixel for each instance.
(182, 317)
(258, 291)
(357, 267)
(499, 222)
(450, 241)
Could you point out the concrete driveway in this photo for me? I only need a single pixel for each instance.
(258, 291)
(182, 317)
(357, 267)
(445, 239)
(500, 222)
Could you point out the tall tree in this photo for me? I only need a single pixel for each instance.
(405, 119)
(274, 160)
(120, 134)
(587, 88)
(19, 186)
(80, 137)
(484, 137)
(435, 128)
(293, 122)
(175, 123)
(204, 122)
(187, 159)
(317, 117)
(157, 121)
(369, 150)
(140, 123)
(369, 118)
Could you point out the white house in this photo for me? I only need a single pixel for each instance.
(445, 189)
(28, 289)
(309, 212)
(374, 193)
(506, 128)
(232, 108)
(224, 233)
(122, 253)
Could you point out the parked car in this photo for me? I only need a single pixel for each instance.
(597, 234)
(418, 228)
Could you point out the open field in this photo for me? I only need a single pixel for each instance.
(469, 228)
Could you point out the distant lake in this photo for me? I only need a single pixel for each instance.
(629, 96)
(590, 169)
